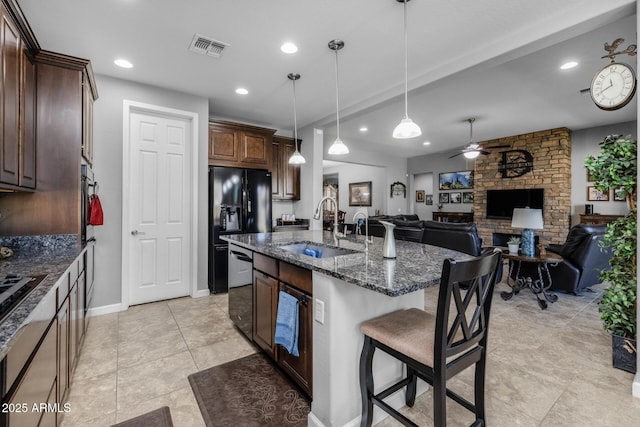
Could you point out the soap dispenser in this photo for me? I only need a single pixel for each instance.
(389, 247)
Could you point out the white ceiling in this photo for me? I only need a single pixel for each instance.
(494, 60)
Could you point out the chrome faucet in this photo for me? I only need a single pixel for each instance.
(367, 239)
(336, 233)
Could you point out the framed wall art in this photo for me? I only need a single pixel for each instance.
(595, 195)
(419, 196)
(360, 193)
(619, 195)
(456, 180)
(455, 197)
(467, 197)
(444, 198)
(428, 199)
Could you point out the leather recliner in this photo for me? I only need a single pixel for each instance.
(408, 227)
(583, 259)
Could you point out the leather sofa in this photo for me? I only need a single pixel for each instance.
(583, 259)
(408, 227)
(462, 237)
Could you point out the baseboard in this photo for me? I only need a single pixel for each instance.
(105, 309)
(635, 388)
(201, 293)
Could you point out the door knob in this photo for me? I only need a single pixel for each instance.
(136, 233)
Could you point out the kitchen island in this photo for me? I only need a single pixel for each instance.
(348, 289)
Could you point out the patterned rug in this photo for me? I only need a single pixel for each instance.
(248, 392)
(159, 418)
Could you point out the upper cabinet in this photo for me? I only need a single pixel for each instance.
(89, 95)
(239, 145)
(285, 178)
(17, 109)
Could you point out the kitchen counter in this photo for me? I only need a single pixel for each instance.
(342, 299)
(415, 267)
(34, 255)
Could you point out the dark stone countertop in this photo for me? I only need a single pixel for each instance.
(416, 266)
(32, 256)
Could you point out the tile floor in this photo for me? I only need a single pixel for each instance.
(545, 368)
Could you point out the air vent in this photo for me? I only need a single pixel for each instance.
(207, 46)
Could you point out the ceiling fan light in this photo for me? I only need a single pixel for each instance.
(471, 154)
(406, 129)
(297, 159)
(338, 147)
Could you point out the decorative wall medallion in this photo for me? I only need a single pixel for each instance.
(398, 189)
(515, 163)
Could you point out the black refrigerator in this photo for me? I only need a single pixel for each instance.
(239, 203)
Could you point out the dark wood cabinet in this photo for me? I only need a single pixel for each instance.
(598, 218)
(10, 58)
(89, 94)
(265, 290)
(297, 282)
(28, 122)
(239, 145)
(269, 277)
(285, 178)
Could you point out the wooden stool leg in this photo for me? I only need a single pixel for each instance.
(479, 388)
(366, 381)
(411, 387)
(439, 401)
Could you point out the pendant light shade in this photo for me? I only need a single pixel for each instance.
(407, 128)
(296, 158)
(338, 147)
(474, 149)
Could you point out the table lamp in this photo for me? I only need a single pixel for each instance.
(528, 220)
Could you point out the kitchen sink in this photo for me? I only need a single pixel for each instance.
(316, 250)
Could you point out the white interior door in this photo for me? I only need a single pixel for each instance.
(159, 201)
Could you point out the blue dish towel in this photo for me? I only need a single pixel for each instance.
(287, 323)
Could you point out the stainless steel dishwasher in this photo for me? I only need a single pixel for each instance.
(241, 289)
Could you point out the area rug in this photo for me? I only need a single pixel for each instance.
(248, 392)
(158, 418)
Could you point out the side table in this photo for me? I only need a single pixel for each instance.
(537, 285)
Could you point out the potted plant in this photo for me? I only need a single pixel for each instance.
(616, 168)
(514, 245)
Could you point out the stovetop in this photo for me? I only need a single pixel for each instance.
(13, 289)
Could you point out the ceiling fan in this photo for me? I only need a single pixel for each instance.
(473, 150)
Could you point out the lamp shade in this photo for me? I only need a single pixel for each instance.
(471, 154)
(527, 218)
(406, 129)
(297, 159)
(338, 147)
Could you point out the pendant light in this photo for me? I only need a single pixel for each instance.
(296, 158)
(338, 146)
(472, 150)
(407, 128)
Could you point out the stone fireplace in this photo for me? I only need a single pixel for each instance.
(551, 170)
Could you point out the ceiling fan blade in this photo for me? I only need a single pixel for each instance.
(455, 155)
(500, 146)
(485, 152)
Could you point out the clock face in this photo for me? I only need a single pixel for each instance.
(613, 86)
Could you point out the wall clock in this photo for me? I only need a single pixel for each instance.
(613, 86)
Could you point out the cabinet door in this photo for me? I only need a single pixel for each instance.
(300, 368)
(224, 144)
(36, 384)
(80, 311)
(73, 327)
(28, 123)
(265, 296)
(291, 174)
(63, 349)
(10, 54)
(87, 119)
(255, 149)
(276, 170)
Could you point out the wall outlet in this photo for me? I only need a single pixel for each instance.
(319, 311)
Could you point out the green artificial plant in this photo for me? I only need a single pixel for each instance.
(616, 167)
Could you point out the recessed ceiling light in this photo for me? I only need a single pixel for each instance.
(568, 65)
(364, 129)
(242, 91)
(123, 63)
(289, 47)
(426, 143)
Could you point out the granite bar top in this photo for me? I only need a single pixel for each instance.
(32, 256)
(416, 266)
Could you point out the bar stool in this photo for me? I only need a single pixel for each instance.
(435, 348)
